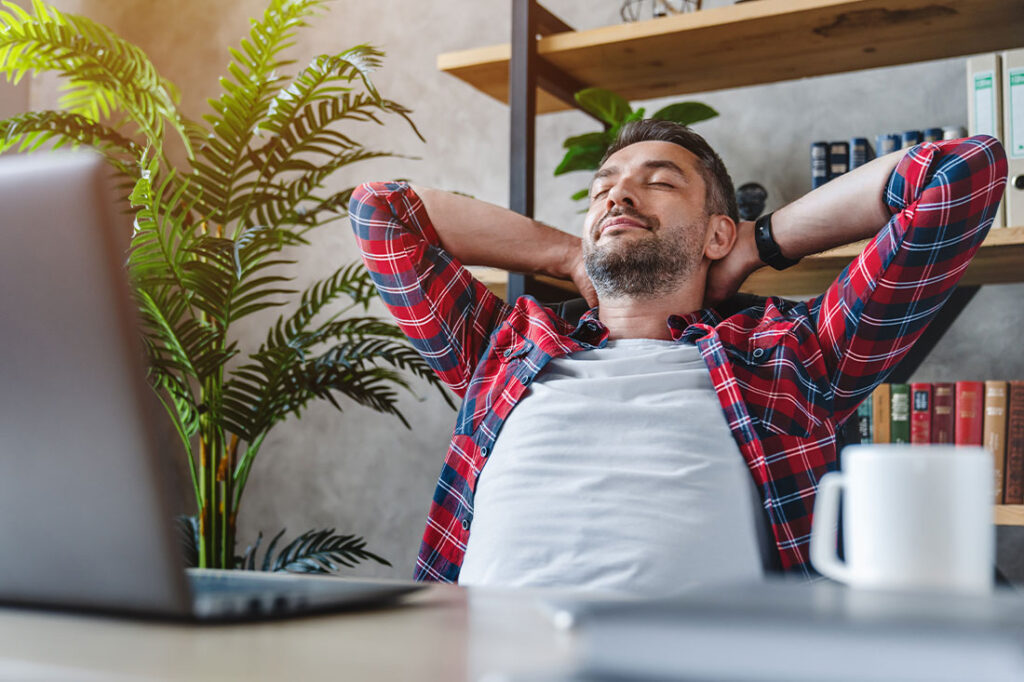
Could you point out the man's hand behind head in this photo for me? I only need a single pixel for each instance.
(726, 276)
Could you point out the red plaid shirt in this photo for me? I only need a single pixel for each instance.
(787, 374)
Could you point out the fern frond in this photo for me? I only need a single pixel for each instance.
(315, 551)
(251, 83)
(104, 69)
(29, 131)
(285, 203)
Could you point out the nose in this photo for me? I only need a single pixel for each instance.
(620, 194)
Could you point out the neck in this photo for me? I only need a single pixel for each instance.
(645, 318)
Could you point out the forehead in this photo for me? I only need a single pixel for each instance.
(639, 154)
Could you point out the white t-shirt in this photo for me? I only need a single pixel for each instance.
(617, 472)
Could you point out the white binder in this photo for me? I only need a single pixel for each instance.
(1013, 134)
(984, 106)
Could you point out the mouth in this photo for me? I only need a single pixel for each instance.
(621, 223)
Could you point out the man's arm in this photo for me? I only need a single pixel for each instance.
(928, 210)
(415, 242)
(847, 209)
(478, 233)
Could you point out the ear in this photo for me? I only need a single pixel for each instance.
(720, 237)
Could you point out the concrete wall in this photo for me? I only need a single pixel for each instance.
(361, 472)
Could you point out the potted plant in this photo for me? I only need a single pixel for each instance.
(214, 237)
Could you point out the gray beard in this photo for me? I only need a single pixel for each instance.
(648, 268)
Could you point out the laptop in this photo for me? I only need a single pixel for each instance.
(86, 494)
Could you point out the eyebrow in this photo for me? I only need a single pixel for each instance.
(652, 165)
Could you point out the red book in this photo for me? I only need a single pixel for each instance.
(942, 412)
(1015, 445)
(970, 419)
(920, 413)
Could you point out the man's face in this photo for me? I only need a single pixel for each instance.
(644, 232)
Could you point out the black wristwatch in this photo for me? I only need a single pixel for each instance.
(767, 249)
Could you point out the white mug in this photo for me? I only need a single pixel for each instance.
(914, 517)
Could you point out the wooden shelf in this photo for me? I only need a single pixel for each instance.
(753, 43)
(1010, 515)
(998, 261)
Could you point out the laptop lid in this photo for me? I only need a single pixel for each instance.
(85, 520)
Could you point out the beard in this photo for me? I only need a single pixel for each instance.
(647, 266)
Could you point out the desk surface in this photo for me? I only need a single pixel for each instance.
(440, 633)
(783, 631)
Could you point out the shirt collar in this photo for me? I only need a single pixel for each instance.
(589, 330)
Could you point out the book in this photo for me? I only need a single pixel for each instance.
(899, 424)
(881, 412)
(995, 431)
(860, 152)
(887, 143)
(1013, 134)
(864, 412)
(819, 164)
(838, 159)
(943, 399)
(984, 105)
(920, 413)
(969, 426)
(911, 138)
(1014, 480)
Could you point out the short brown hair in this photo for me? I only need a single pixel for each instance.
(720, 196)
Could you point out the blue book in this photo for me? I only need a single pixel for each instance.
(932, 134)
(860, 152)
(888, 143)
(819, 164)
(910, 138)
(838, 159)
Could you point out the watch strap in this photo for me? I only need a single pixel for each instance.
(767, 249)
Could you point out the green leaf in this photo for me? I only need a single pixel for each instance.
(581, 158)
(606, 105)
(588, 140)
(315, 551)
(685, 113)
(582, 194)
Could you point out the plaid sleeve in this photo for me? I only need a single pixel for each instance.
(447, 315)
(943, 197)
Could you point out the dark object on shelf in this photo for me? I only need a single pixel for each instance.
(631, 9)
(750, 199)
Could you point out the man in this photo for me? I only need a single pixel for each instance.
(667, 439)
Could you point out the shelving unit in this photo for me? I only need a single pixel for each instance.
(744, 44)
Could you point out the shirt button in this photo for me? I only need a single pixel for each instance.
(465, 524)
(508, 352)
(484, 452)
(758, 352)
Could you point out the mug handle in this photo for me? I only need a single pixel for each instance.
(824, 556)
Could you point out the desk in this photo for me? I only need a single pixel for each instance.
(440, 633)
(788, 631)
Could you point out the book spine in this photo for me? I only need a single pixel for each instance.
(881, 413)
(969, 429)
(920, 413)
(942, 412)
(864, 413)
(1015, 444)
(899, 428)
(838, 159)
(911, 138)
(860, 152)
(819, 164)
(885, 144)
(995, 431)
